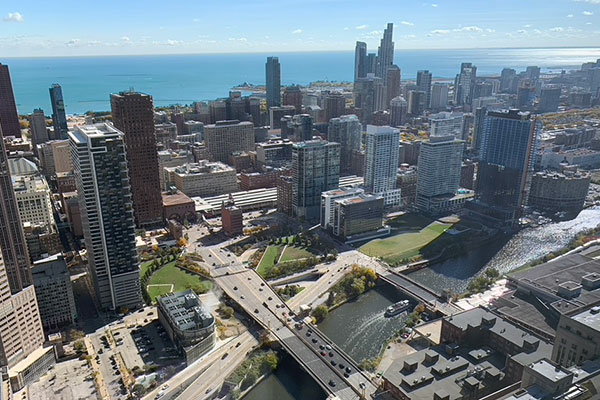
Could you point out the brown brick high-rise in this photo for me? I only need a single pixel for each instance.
(9, 119)
(133, 114)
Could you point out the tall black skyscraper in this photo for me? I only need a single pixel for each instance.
(424, 85)
(59, 115)
(9, 118)
(464, 84)
(506, 159)
(360, 60)
(273, 72)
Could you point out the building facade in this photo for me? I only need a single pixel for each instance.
(226, 137)
(347, 131)
(315, 169)
(59, 114)
(107, 215)
(202, 179)
(133, 114)
(9, 118)
(273, 82)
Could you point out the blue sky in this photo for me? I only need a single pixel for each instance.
(85, 27)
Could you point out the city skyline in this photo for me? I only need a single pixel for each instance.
(28, 31)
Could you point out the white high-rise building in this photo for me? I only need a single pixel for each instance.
(381, 162)
(439, 170)
(107, 217)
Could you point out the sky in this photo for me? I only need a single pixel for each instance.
(116, 27)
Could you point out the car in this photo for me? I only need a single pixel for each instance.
(332, 362)
(323, 353)
(328, 347)
(270, 298)
(308, 333)
(242, 297)
(238, 344)
(321, 347)
(249, 278)
(331, 354)
(262, 284)
(165, 386)
(256, 310)
(235, 288)
(404, 335)
(341, 366)
(314, 340)
(331, 383)
(100, 351)
(348, 369)
(224, 356)
(346, 375)
(116, 333)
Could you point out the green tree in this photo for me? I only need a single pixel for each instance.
(320, 312)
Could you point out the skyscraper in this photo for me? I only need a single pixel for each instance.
(478, 124)
(292, 96)
(133, 114)
(59, 116)
(424, 85)
(107, 216)
(226, 137)
(464, 84)
(385, 52)
(506, 79)
(369, 96)
(507, 152)
(273, 72)
(416, 102)
(9, 118)
(346, 131)
(360, 60)
(335, 105)
(37, 124)
(315, 169)
(392, 84)
(382, 145)
(20, 326)
(439, 173)
(398, 111)
(439, 96)
(549, 99)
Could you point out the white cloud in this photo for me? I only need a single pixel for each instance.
(172, 42)
(362, 27)
(126, 39)
(522, 31)
(588, 1)
(434, 5)
(297, 31)
(588, 13)
(557, 29)
(73, 42)
(346, 28)
(409, 36)
(488, 30)
(527, 26)
(440, 31)
(570, 16)
(242, 39)
(14, 17)
(407, 23)
(372, 34)
(472, 28)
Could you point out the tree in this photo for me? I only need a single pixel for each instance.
(77, 334)
(270, 362)
(331, 299)
(226, 311)
(320, 312)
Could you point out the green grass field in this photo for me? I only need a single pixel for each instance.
(294, 253)
(404, 245)
(170, 274)
(144, 266)
(268, 260)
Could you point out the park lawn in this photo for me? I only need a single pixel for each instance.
(294, 253)
(268, 260)
(405, 245)
(410, 222)
(144, 266)
(170, 274)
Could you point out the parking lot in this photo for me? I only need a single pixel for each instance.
(67, 380)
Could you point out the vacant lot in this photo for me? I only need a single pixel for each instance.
(404, 245)
(171, 278)
(294, 253)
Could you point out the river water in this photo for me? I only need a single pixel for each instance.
(506, 254)
(360, 328)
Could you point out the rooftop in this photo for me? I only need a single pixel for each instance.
(186, 311)
(589, 318)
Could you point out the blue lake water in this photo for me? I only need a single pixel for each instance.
(181, 79)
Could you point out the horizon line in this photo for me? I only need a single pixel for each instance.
(301, 51)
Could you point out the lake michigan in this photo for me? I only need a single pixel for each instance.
(182, 79)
